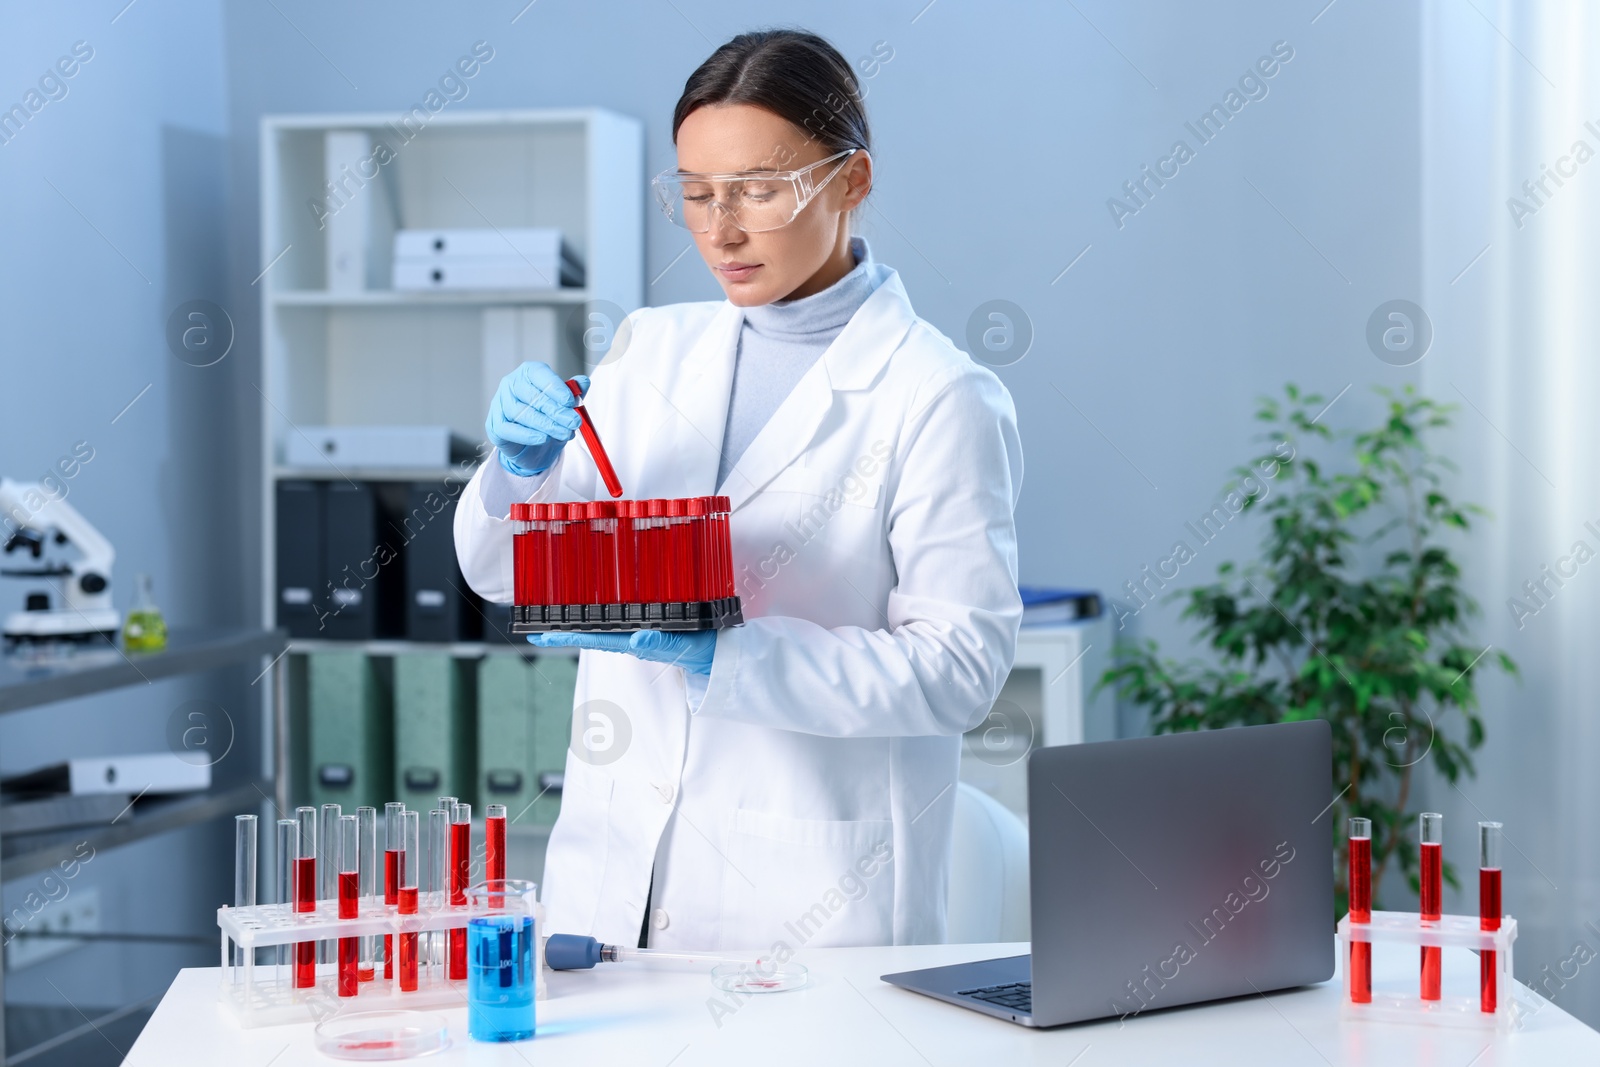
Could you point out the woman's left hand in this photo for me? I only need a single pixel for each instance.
(691, 651)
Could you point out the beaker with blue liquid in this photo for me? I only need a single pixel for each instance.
(501, 962)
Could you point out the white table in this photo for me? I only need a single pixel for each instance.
(622, 1014)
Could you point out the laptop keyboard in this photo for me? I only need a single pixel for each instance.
(1015, 996)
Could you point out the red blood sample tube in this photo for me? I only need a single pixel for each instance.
(1360, 862)
(494, 839)
(1432, 845)
(410, 866)
(305, 896)
(580, 554)
(556, 535)
(699, 546)
(460, 871)
(393, 844)
(628, 512)
(603, 550)
(349, 902)
(725, 544)
(677, 551)
(1489, 834)
(538, 554)
(653, 550)
(519, 553)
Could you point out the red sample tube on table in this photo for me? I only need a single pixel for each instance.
(410, 866)
(1432, 845)
(494, 841)
(1360, 863)
(393, 843)
(597, 452)
(305, 896)
(349, 853)
(1489, 834)
(460, 872)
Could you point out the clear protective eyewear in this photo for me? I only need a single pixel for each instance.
(754, 201)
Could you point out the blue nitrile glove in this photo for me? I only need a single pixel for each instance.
(691, 651)
(531, 418)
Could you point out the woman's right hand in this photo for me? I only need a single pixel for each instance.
(531, 418)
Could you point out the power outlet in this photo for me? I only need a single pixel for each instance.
(78, 912)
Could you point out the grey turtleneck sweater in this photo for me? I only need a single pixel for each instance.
(778, 343)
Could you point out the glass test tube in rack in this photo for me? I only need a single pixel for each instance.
(623, 565)
(1490, 933)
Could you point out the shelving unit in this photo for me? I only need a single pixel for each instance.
(380, 356)
(28, 683)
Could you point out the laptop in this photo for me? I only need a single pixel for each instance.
(1163, 871)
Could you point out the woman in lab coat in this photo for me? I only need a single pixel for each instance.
(791, 781)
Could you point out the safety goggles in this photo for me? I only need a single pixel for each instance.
(754, 201)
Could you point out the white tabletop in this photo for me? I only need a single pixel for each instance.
(626, 1014)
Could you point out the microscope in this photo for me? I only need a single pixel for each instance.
(34, 518)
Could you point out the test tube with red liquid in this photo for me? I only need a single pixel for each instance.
(305, 895)
(597, 452)
(539, 555)
(367, 832)
(699, 545)
(349, 902)
(603, 550)
(410, 865)
(494, 835)
(1489, 834)
(724, 545)
(393, 846)
(460, 872)
(629, 513)
(1431, 837)
(1360, 863)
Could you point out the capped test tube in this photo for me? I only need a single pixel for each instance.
(393, 844)
(700, 547)
(367, 831)
(435, 878)
(460, 873)
(653, 548)
(519, 549)
(244, 869)
(677, 563)
(603, 545)
(1360, 863)
(1489, 835)
(628, 552)
(1431, 836)
(557, 576)
(580, 544)
(723, 506)
(349, 881)
(541, 572)
(409, 868)
(287, 852)
(305, 895)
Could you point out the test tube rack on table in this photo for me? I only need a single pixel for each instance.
(623, 565)
(1448, 931)
(264, 994)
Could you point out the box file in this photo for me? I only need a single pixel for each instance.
(351, 743)
(435, 742)
(524, 722)
(300, 584)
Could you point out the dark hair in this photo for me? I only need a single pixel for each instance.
(796, 75)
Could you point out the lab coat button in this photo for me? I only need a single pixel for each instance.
(659, 920)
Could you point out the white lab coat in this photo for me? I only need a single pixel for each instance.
(805, 792)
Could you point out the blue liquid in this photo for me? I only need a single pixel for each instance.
(500, 977)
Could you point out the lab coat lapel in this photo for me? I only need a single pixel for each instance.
(695, 410)
(851, 362)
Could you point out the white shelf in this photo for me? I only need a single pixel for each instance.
(328, 473)
(400, 647)
(379, 298)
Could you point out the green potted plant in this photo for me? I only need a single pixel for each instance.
(1354, 613)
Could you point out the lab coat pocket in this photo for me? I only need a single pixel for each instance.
(811, 882)
(575, 863)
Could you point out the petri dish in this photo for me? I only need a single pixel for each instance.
(759, 977)
(372, 1036)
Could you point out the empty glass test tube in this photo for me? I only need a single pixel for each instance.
(328, 868)
(288, 849)
(244, 869)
